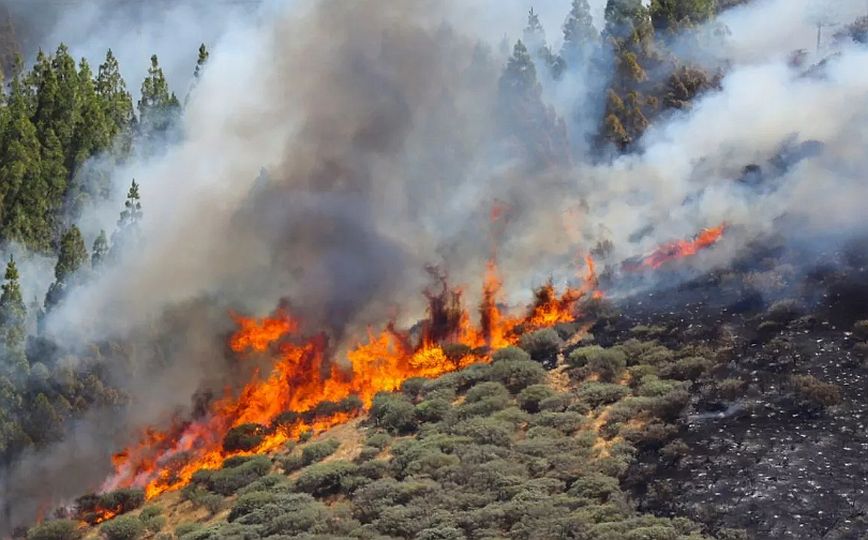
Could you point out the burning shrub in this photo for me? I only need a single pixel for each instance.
(245, 438)
(596, 394)
(324, 479)
(542, 345)
(516, 374)
(350, 405)
(59, 529)
(318, 451)
(393, 412)
(815, 393)
(123, 528)
(529, 399)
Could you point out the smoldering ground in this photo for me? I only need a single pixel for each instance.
(384, 149)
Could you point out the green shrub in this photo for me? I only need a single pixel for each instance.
(596, 393)
(186, 528)
(248, 502)
(414, 387)
(211, 502)
(324, 479)
(378, 439)
(153, 524)
(516, 375)
(59, 529)
(542, 345)
(228, 481)
(245, 437)
(432, 410)
(367, 453)
(290, 463)
(150, 511)
(606, 363)
(318, 451)
(484, 399)
(730, 388)
(565, 422)
(529, 399)
(485, 431)
(393, 412)
(123, 528)
(556, 403)
(596, 486)
(122, 500)
(509, 353)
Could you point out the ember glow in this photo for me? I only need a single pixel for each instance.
(680, 249)
(308, 391)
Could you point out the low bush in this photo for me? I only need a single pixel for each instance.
(783, 311)
(516, 375)
(58, 529)
(686, 369)
(607, 364)
(814, 392)
(393, 412)
(324, 479)
(542, 345)
(529, 399)
(432, 410)
(245, 437)
(228, 481)
(123, 528)
(318, 451)
(596, 393)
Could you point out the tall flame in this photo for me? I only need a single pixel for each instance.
(303, 377)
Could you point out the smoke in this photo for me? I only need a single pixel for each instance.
(332, 149)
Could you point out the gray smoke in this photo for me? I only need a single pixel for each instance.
(377, 128)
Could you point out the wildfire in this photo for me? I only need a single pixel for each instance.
(306, 390)
(679, 249)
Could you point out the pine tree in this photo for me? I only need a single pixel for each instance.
(116, 102)
(579, 32)
(13, 320)
(201, 61)
(535, 42)
(128, 224)
(674, 15)
(72, 256)
(520, 79)
(158, 107)
(100, 250)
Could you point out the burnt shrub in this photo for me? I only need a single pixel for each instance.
(516, 374)
(783, 312)
(245, 437)
(530, 398)
(686, 369)
(324, 479)
(393, 412)
(860, 330)
(58, 529)
(542, 345)
(812, 392)
(318, 451)
(123, 528)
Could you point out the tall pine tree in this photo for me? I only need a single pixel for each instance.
(580, 36)
(158, 106)
(128, 223)
(13, 321)
(72, 256)
(100, 251)
(117, 104)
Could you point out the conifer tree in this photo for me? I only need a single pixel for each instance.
(100, 251)
(128, 223)
(116, 102)
(158, 106)
(535, 41)
(13, 320)
(201, 61)
(579, 32)
(72, 256)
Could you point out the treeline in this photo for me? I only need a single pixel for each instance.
(63, 129)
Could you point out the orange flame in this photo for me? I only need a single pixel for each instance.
(679, 249)
(303, 378)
